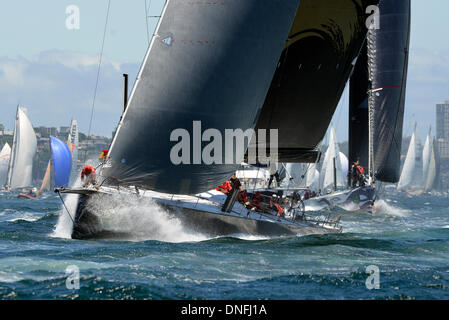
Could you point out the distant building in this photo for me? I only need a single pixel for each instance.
(64, 130)
(442, 134)
(47, 131)
(6, 133)
(3, 132)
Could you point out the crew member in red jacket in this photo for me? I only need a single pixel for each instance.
(88, 176)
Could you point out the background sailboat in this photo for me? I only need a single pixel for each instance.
(46, 181)
(431, 162)
(411, 176)
(62, 162)
(327, 180)
(313, 177)
(24, 146)
(59, 166)
(432, 181)
(4, 162)
(426, 155)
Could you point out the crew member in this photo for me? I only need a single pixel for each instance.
(104, 155)
(88, 176)
(243, 197)
(359, 174)
(356, 171)
(280, 210)
(274, 174)
(235, 182)
(225, 187)
(257, 200)
(307, 195)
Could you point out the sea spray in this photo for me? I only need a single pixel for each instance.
(383, 207)
(67, 213)
(140, 218)
(64, 225)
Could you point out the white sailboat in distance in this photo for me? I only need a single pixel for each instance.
(20, 169)
(4, 162)
(410, 176)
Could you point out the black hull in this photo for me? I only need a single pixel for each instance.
(88, 226)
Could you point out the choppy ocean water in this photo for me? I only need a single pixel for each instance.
(407, 240)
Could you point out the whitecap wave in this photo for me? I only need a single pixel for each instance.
(383, 207)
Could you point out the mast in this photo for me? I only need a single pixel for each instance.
(335, 174)
(377, 93)
(125, 93)
(371, 52)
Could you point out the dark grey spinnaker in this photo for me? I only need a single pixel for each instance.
(324, 42)
(210, 61)
(389, 62)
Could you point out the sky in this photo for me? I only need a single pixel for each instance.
(51, 69)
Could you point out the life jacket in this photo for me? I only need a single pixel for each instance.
(257, 199)
(225, 187)
(307, 195)
(242, 197)
(280, 210)
(104, 154)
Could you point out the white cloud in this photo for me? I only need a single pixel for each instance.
(427, 85)
(11, 71)
(58, 85)
(74, 60)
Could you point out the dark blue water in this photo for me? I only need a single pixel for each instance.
(407, 240)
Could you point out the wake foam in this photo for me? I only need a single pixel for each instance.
(383, 207)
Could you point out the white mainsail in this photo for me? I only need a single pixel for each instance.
(4, 162)
(23, 150)
(327, 171)
(426, 156)
(344, 164)
(431, 176)
(313, 177)
(409, 173)
(295, 175)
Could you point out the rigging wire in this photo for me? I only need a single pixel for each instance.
(98, 76)
(147, 7)
(67, 210)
